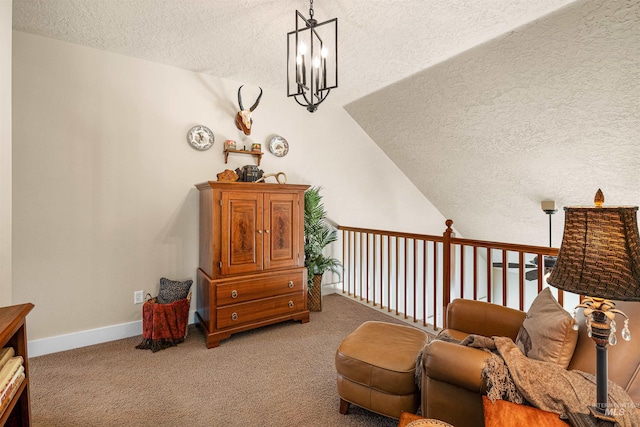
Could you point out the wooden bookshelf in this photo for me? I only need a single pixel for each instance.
(13, 333)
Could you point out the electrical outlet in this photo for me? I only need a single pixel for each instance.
(138, 297)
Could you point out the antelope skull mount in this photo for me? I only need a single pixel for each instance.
(243, 118)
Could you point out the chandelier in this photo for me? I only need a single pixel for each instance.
(312, 60)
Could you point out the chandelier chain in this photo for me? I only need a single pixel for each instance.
(311, 9)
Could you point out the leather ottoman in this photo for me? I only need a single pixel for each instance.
(375, 367)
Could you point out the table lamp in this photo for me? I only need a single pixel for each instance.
(600, 259)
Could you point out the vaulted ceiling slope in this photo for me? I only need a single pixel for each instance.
(488, 106)
(548, 111)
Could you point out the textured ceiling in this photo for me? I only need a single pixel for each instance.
(549, 111)
(380, 41)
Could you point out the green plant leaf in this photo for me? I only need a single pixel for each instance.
(318, 234)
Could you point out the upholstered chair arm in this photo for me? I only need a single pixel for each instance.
(481, 318)
(452, 384)
(454, 364)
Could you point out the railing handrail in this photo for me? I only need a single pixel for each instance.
(392, 233)
(540, 250)
(516, 247)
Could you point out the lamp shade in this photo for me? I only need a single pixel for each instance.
(600, 253)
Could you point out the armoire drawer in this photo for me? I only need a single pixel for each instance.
(259, 287)
(247, 312)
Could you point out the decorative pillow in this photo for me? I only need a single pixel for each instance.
(503, 413)
(172, 290)
(547, 332)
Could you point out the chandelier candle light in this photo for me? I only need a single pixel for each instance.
(600, 258)
(312, 60)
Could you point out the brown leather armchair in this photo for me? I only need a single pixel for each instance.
(452, 385)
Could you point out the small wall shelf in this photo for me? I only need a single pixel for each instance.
(257, 154)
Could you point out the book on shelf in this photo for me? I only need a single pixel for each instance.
(11, 376)
(6, 354)
(8, 371)
(12, 388)
(14, 383)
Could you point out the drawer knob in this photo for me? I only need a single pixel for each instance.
(234, 316)
(291, 283)
(234, 294)
(259, 231)
(266, 231)
(291, 304)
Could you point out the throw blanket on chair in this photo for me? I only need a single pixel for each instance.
(512, 376)
(164, 325)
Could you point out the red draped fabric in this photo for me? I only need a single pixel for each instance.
(164, 325)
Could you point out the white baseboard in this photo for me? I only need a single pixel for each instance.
(331, 288)
(85, 338)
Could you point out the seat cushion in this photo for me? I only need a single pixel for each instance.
(382, 356)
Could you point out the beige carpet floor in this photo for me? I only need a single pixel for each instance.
(280, 375)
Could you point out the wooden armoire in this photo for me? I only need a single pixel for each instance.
(252, 269)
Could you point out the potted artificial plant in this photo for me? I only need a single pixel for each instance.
(318, 234)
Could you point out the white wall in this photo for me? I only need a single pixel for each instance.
(104, 197)
(5, 152)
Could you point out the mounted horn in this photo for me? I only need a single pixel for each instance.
(240, 98)
(243, 118)
(255, 104)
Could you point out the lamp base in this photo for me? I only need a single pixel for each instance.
(588, 420)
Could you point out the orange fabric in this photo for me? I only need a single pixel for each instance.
(407, 417)
(504, 414)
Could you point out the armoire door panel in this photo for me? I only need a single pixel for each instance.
(281, 221)
(242, 232)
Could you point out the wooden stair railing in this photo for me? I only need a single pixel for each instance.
(418, 275)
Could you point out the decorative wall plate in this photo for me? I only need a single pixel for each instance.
(200, 137)
(278, 146)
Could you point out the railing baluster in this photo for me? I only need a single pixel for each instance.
(462, 264)
(397, 273)
(366, 283)
(406, 269)
(435, 287)
(354, 265)
(521, 279)
(361, 270)
(415, 280)
(424, 282)
(489, 275)
(375, 259)
(381, 266)
(348, 259)
(540, 271)
(475, 273)
(389, 273)
(505, 270)
(343, 258)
